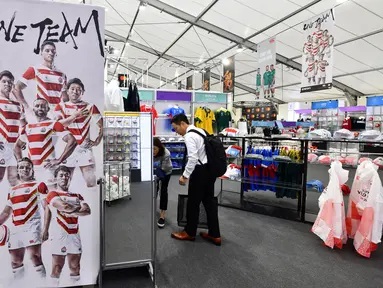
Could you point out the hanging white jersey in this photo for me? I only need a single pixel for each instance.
(11, 112)
(39, 139)
(50, 82)
(80, 128)
(64, 223)
(24, 199)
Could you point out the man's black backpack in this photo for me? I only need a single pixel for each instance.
(215, 152)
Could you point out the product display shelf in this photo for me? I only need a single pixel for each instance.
(319, 171)
(177, 148)
(121, 153)
(266, 190)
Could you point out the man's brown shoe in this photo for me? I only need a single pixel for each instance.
(182, 236)
(216, 241)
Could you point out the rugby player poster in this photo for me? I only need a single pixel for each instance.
(265, 75)
(51, 100)
(318, 52)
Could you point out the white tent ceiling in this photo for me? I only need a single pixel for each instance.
(171, 36)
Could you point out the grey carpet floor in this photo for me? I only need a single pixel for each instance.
(257, 251)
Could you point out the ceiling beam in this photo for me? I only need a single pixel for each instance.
(127, 38)
(169, 58)
(163, 7)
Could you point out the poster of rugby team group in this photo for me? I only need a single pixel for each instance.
(51, 101)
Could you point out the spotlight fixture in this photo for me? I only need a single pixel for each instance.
(240, 48)
(203, 71)
(116, 51)
(225, 61)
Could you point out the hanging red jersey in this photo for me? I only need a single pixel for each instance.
(346, 123)
(151, 109)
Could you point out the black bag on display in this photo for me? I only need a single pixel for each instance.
(181, 212)
(215, 152)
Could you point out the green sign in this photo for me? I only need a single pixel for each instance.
(210, 97)
(145, 95)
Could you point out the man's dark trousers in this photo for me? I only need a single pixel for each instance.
(201, 189)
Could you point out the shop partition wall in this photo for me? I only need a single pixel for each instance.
(52, 68)
(129, 208)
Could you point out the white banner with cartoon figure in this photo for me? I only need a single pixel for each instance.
(318, 52)
(51, 100)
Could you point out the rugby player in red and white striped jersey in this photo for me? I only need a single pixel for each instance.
(80, 128)
(50, 81)
(24, 202)
(11, 119)
(39, 139)
(66, 208)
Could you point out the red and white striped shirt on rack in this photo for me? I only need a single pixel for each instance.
(68, 224)
(81, 126)
(11, 112)
(24, 199)
(39, 139)
(50, 82)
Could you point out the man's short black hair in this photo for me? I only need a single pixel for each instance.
(41, 99)
(61, 168)
(45, 43)
(8, 74)
(180, 118)
(76, 81)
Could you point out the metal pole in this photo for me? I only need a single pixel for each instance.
(304, 188)
(102, 232)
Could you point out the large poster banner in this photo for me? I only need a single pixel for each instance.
(206, 80)
(317, 58)
(229, 75)
(189, 83)
(51, 100)
(265, 77)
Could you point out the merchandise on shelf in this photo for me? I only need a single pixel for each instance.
(233, 151)
(223, 118)
(173, 111)
(204, 118)
(231, 132)
(116, 187)
(330, 224)
(233, 172)
(151, 109)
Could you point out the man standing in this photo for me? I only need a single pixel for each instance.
(258, 83)
(12, 118)
(266, 84)
(39, 137)
(67, 207)
(80, 127)
(201, 184)
(50, 81)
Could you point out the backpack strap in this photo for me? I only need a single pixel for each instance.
(200, 134)
(197, 132)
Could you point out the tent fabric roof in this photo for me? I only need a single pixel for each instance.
(194, 31)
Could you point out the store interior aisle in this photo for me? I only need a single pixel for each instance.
(257, 251)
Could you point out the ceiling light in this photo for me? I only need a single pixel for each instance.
(116, 51)
(200, 60)
(143, 6)
(203, 71)
(240, 48)
(226, 61)
(127, 44)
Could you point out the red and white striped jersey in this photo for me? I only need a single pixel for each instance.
(39, 139)
(310, 66)
(315, 49)
(50, 82)
(318, 34)
(11, 112)
(64, 223)
(308, 47)
(325, 42)
(80, 127)
(24, 199)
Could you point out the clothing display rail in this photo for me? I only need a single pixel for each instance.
(255, 179)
